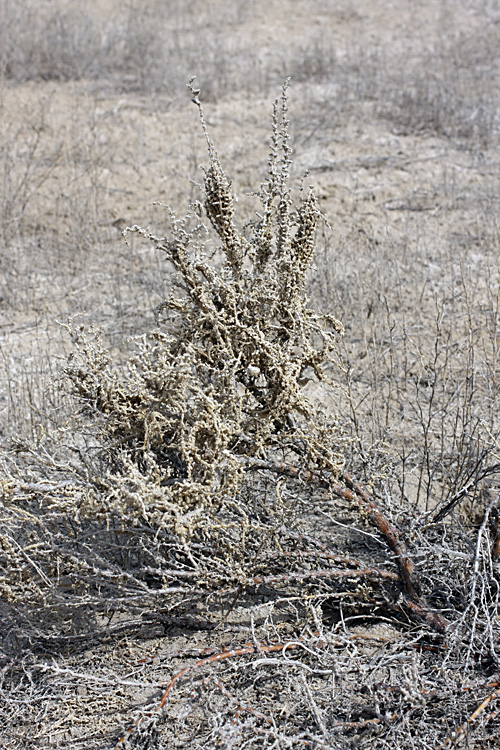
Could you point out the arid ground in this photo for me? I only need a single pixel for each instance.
(394, 120)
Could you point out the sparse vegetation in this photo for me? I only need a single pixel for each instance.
(224, 522)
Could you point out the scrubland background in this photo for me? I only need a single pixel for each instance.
(394, 115)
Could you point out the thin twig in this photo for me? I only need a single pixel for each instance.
(462, 730)
(241, 706)
(250, 648)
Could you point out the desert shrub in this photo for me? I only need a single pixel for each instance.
(222, 376)
(205, 486)
(173, 432)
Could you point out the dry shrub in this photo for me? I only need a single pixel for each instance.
(171, 434)
(205, 488)
(149, 46)
(222, 377)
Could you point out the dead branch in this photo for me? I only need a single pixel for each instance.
(250, 648)
(354, 492)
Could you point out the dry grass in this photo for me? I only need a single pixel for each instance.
(184, 553)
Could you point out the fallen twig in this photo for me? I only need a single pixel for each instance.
(249, 648)
(210, 655)
(462, 730)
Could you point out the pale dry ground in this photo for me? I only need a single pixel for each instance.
(394, 113)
